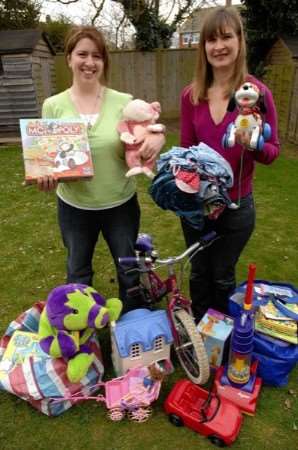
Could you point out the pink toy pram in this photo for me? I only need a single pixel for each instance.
(131, 395)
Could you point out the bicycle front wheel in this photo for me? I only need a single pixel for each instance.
(190, 348)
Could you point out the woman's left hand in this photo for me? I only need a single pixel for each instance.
(152, 146)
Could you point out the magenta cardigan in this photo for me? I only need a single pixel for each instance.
(196, 125)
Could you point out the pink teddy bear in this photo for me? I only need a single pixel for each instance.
(139, 119)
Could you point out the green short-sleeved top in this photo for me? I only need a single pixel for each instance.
(109, 187)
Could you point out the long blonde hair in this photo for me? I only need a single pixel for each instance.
(215, 24)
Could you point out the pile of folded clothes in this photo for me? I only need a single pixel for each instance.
(193, 183)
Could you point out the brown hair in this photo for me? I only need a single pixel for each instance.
(214, 24)
(77, 33)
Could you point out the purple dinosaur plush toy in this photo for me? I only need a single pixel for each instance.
(71, 314)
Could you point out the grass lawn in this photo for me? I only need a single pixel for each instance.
(33, 262)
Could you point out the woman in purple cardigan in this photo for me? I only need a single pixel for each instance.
(221, 69)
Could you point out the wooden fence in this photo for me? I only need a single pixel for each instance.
(158, 75)
(280, 78)
(161, 75)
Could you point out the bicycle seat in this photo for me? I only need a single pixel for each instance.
(144, 243)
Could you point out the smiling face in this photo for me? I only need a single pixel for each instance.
(86, 62)
(222, 49)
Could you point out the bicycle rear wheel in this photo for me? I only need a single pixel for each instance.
(190, 348)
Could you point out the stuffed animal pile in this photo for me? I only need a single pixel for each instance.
(71, 315)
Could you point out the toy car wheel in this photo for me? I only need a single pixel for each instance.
(140, 414)
(115, 414)
(217, 441)
(190, 348)
(176, 420)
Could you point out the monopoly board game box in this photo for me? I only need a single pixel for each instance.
(215, 329)
(55, 147)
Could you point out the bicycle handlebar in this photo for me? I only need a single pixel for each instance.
(204, 242)
(128, 260)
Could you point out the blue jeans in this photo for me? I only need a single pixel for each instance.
(80, 229)
(212, 278)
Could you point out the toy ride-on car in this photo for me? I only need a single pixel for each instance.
(190, 405)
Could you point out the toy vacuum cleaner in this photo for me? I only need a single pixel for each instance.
(238, 381)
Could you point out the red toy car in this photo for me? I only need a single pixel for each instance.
(190, 405)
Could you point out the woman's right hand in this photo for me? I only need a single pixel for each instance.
(47, 183)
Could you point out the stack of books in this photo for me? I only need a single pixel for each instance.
(271, 321)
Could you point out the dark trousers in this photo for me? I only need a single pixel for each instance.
(80, 231)
(212, 277)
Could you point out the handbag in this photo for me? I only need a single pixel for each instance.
(277, 357)
(276, 306)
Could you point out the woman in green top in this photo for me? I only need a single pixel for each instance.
(108, 203)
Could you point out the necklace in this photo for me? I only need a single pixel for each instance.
(88, 117)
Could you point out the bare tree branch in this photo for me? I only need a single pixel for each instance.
(66, 2)
(154, 21)
(148, 17)
(118, 29)
(98, 9)
(170, 11)
(181, 13)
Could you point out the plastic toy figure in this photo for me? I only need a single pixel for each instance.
(250, 103)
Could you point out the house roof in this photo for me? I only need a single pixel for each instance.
(292, 44)
(21, 41)
(141, 326)
(194, 22)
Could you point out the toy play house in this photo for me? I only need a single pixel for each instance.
(140, 337)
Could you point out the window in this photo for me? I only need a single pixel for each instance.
(1, 67)
(195, 38)
(190, 38)
(158, 344)
(186, 38)
(135, 351)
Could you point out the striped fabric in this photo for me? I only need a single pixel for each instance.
(38, 380)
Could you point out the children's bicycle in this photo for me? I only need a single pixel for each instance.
(188, 343)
